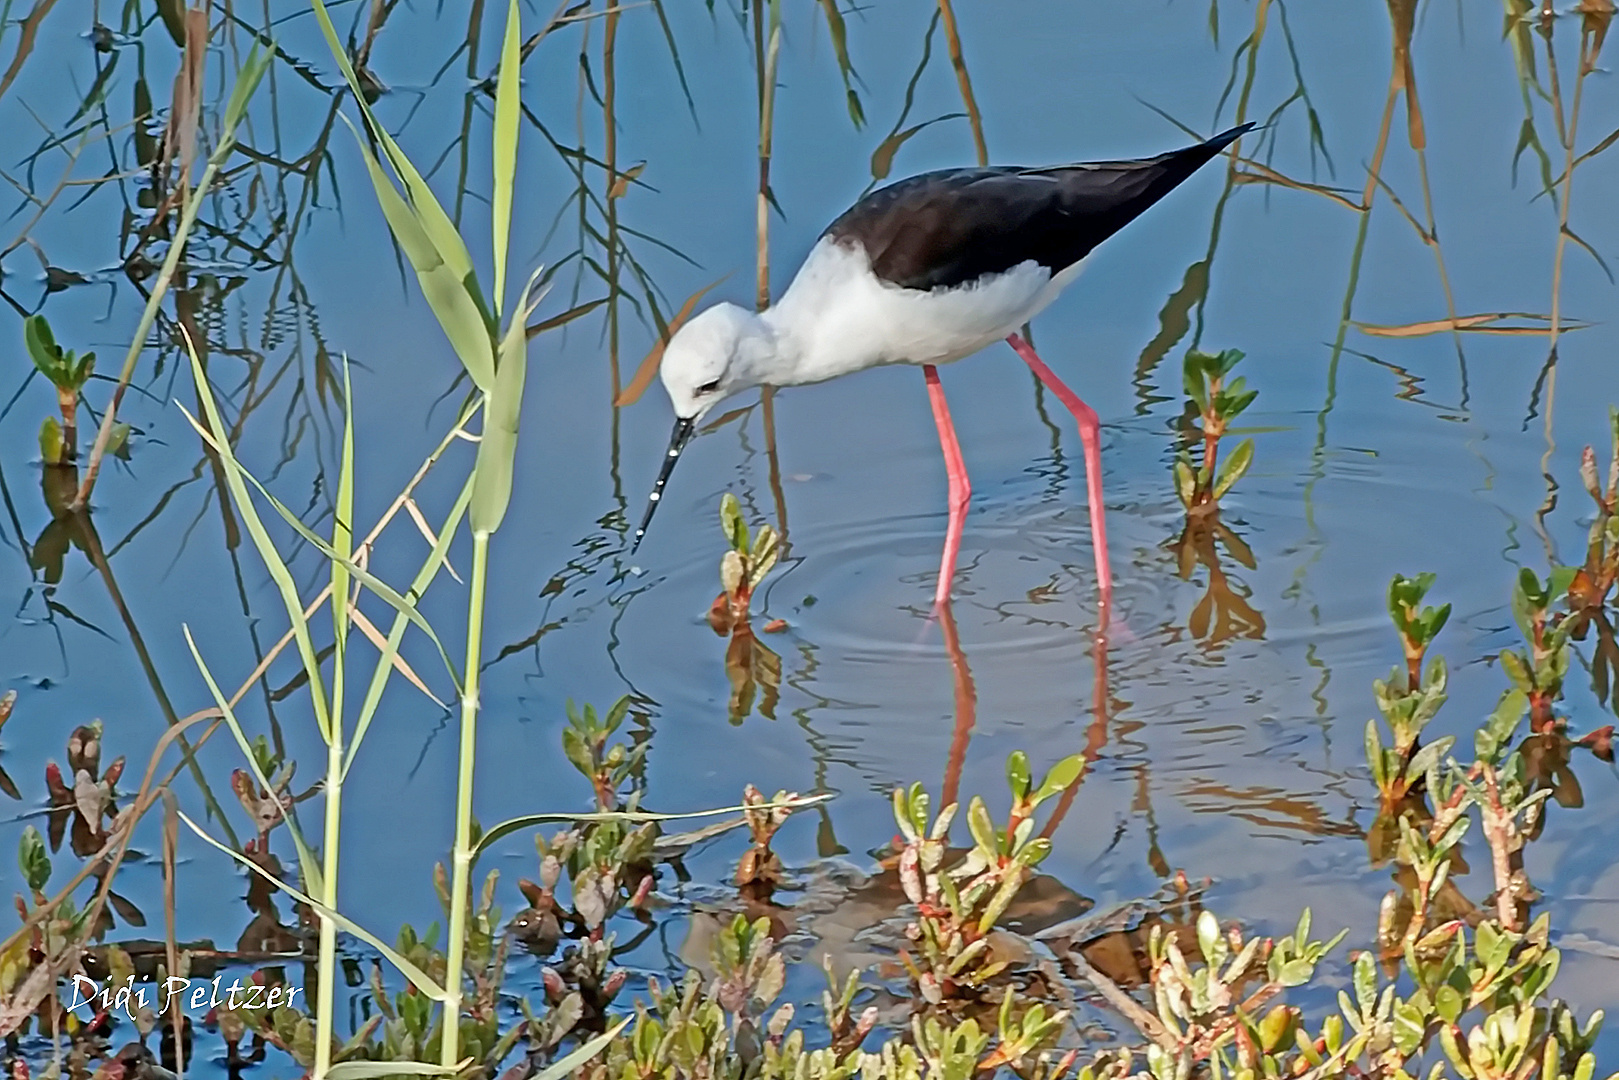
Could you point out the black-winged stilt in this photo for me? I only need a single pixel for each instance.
(927, 271)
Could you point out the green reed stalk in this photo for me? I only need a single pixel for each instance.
(461, 861)
(491, 494)
(247, 81)
(342, 544)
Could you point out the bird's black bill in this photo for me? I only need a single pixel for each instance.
(677, 442)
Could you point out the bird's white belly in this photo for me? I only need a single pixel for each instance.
(849, 320)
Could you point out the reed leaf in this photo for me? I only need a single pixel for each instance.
(379, 678)
(306, 858)
(432, 224)
(508, 107)
(419, 978)
(343, 544)
(497, 449)
(452, 302)
(370, 1070)
(528, 821)
(279, 572)
(564, 1066)
(237, 474)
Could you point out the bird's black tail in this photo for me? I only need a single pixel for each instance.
(1100, 198)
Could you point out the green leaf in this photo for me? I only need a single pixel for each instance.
(508, 109)
(1448, 1003)
(447, 293)
(1062, 776)
(1209, 941)
(1365, 980)
(497, 449)
(1295, 973)
(1004, 895)
(51, 446)
(239, 477)
(1185, 481)
(370, 1070)
(83, 370)
(1017, 774)
(1374, 756)
(1409, 1025)
(732, 525)
(1234, 467)
(1034, 852)
(435, 222)
(1239, 403)
(981, 827)
(343, 544)
(306, 858)
(766, 550)
(42, 347)
(1434, 621)
(248, 77)
(419, 978)
(564, 1066)
(277, 567)
(511, 825)
(33, 860)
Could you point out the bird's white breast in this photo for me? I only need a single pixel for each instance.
(838, 317)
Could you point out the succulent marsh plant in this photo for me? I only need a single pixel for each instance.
(1218, 400)
(749, 560)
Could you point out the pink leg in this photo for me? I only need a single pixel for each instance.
(1090, 434)
(961, 491)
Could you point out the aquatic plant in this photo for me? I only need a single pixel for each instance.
(1460, 989)
(67, 372)
(1218, 401)
(743, 567)
(958, 905)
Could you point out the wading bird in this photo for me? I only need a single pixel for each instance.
(927, 271)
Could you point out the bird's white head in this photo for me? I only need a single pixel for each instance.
(718, 353)
(709, 359)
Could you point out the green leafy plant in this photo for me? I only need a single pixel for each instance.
(1217, 401)
(957, 905)
(68, 372)
(743, 567)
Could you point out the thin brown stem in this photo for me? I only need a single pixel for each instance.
(969, 102)
(610, 156)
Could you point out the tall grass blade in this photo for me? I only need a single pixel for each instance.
(497, 450)
(839, 33)
(419, 978)
(379, 679)
(306, 858)
(343, 544)
(371, 1070)
(279, 572)
(432, 222)
(446, 293)
(247, 81)
(565, 1065)
(508, 107)
(528, 821)
(237, 474)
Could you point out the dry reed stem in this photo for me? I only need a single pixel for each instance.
(958, 61)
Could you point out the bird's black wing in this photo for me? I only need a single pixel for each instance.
(948, 228)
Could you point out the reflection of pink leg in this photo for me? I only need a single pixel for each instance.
(1090, 434)
(961, 491)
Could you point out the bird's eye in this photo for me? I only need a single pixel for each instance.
(709, 388)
